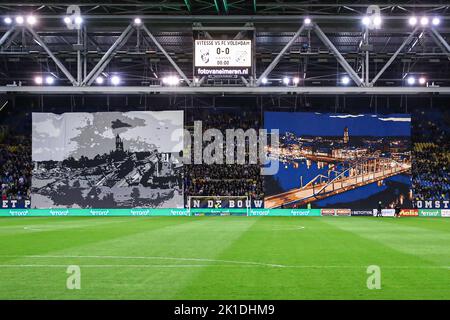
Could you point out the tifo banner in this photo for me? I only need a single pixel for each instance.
(339, 161)
(107, 159)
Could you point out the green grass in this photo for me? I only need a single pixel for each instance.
(224, 257)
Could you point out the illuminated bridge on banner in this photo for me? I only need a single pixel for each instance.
(354, 174)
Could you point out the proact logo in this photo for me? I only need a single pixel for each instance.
(100, 212)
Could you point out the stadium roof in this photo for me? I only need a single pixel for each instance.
(272, 24)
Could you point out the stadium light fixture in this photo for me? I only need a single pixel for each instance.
(171, 80)
(366, 20)
(7, 20)
(115, 80)
(38, 80)
(436, 21)
(422, 80)
(307, 21)
(411, 80)
(20, 20)
(264, 80)
(99, 80)
(377, 21)
(412, 21)
(137, 21)
(31, 20)
(49, 80)
(67, 20)
(345, 80)
(424, 21)
(286, 80)
(78, 20)
(296, 80)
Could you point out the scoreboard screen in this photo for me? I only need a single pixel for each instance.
(223, 57)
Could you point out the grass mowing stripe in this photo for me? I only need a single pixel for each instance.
(320, 243)
(56, 240)
(324, 260)
(194, 239)
(405, 235)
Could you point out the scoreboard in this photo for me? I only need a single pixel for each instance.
(223, 58)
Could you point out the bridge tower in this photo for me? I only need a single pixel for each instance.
(346, 137)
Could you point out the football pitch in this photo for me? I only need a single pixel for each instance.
(224, 257)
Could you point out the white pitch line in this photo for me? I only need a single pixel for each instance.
(149, 258)
(284, 228)
(230, 262)
(116, 265)
(202, 266)
(33, 229)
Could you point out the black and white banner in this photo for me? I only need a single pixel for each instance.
(107, 160)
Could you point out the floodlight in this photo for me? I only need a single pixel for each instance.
(412, 21)
(31, 20)
(20, 20)
(49, 80)
(377, 21)
(78, 20)
(100, 80)
(345, 80)
(436, 21)
(115, 80)
(366, 21)
(424, 21)
(171, 80)
(38, 80)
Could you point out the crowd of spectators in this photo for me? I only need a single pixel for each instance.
(224, 179)
(431, 157)
(15, 167)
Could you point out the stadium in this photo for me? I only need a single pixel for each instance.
(225, 150)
